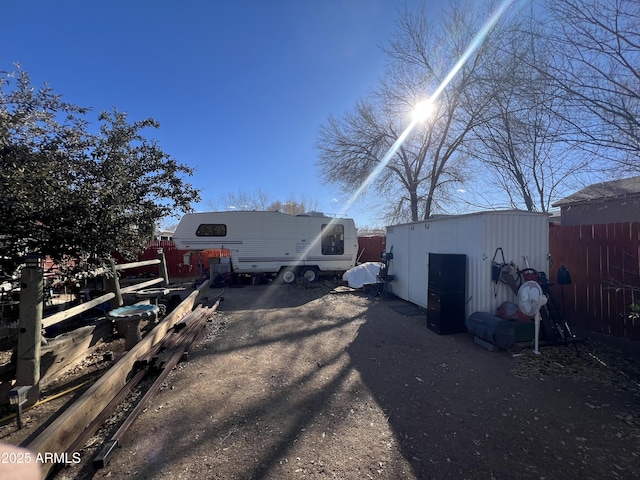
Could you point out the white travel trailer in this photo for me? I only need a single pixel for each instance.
(273, 242)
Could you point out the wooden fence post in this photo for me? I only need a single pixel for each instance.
(30, 328)
(113, 286)
(163, 267)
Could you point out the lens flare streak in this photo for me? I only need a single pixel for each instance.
(477, 41)
(473, 46)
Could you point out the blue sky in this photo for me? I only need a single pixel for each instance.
(239, 87)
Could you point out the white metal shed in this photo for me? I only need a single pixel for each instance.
(520, 234)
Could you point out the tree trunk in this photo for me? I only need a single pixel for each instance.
(413, 199)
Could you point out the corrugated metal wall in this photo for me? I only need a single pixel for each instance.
(478, 235)
(524, 238)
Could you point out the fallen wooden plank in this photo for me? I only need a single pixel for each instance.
(64, 351)
(62, 432)
(97, 422)
(183, 341)
(176, 340)
(61, 353)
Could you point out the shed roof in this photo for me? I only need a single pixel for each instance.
(441, 218)
(605, 190)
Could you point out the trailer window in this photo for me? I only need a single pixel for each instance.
(333, 239)
(211, 230)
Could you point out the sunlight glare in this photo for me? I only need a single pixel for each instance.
(473, 46)
(477, 41)
(423, 110)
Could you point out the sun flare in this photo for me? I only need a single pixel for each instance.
(423, 110)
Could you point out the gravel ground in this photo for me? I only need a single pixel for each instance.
(299, 382)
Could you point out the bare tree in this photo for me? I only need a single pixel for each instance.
(522, 138)
(366, 146)
(599, 42)
(294, 205)
(242, 200)
(263, 201)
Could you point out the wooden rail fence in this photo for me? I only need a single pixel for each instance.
(31, 321)
(63, 431)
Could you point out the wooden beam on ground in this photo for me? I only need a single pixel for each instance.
(97, 422)
(62, 432)
(184, 339)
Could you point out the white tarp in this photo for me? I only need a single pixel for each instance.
(364, 274)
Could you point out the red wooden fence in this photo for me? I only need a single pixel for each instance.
(603, 261)
(176, 265)
(369, 250)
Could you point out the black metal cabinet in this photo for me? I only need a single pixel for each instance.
(446, 293)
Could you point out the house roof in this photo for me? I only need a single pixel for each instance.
(605, 190)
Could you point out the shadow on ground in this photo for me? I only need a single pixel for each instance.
(459, 411)
(304, 383)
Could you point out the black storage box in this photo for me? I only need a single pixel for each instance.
(446, 293)
(498, 331)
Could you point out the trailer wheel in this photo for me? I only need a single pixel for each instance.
(310, 274)
(288, 275)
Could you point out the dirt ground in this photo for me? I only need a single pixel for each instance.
(299, 382)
